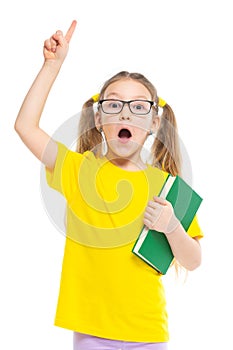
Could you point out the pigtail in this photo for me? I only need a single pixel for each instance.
(166, 148)
(88, 136)
(166, 151)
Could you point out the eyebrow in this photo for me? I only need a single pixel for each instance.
(114, 94)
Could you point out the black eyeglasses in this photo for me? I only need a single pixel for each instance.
(137, 107)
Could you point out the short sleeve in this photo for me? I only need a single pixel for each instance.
(63, 178)
(194, 229)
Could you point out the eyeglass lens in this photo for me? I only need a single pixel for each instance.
(139, 107)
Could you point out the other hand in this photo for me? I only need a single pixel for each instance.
(159, 215)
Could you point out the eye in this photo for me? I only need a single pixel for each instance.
(138, 106)
(114, 104)
(111, 106)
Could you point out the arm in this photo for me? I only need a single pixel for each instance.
(187, 250)
(27, 122)
(159, 215)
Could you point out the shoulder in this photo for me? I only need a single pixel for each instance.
(66, 153)
(67, 168)
(70, 161)
(154, 171)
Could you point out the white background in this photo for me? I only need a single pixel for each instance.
(185, 49)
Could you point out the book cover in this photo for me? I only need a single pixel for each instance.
(152, 246)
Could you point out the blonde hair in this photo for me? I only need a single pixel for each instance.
(165, 150)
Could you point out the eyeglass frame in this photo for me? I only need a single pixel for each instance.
(152, 103)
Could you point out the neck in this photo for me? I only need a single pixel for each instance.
(132, 164)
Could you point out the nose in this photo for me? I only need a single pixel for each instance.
(125, 113)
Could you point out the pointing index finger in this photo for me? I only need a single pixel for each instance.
(70, 31)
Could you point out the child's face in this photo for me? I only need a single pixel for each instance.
(126, 132)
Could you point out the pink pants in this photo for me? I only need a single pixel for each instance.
(89, 342)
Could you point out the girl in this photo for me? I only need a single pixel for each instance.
(108, 296)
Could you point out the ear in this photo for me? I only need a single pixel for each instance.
(98, 122)
(155, 124)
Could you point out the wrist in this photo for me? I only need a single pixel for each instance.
(173, 225)
(52, 66)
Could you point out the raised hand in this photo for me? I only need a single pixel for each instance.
(56, 47)
(27, 121)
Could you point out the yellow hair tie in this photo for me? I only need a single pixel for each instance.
(96, 97)
(161, 102)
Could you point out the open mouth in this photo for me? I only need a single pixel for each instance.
(124, 134)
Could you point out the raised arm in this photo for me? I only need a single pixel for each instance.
(27, 121)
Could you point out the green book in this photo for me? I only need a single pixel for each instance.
(152, 246)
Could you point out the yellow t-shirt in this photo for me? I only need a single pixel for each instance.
(106, 290)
